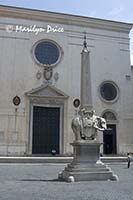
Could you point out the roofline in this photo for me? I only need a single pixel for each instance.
(65, 14)
(63, 18)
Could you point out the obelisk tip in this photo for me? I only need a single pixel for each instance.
(85, 43)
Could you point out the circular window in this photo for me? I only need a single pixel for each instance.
(108, 91)
(47, 53)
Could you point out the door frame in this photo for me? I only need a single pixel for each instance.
(113, 135)
(60, 125)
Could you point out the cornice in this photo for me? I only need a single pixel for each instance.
(66, 19)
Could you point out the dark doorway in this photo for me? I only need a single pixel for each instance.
(109, 140)
(45, 130)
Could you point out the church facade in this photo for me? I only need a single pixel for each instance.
(40, 76)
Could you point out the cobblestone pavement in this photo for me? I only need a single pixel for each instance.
(38, 182)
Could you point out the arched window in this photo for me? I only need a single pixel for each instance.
(109, 116)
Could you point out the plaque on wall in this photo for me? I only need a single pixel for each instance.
(16, 100)
(76, 103)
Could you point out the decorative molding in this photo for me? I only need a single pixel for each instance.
(128, 117)
(125, 43)
(30, 14)
(125, 50)
(48, 72)
(56, 76)
(110, 121)
(47, 101)
(78, 35)
(38, 75)
(16, 38)
(81, 45)
(47, 91)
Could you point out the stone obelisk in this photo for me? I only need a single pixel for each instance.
(86, 164)
(85, 88)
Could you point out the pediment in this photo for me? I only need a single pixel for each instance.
(46, 91)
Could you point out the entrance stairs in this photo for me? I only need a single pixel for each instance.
(56, 159)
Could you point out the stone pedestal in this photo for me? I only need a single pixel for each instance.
(86, 164)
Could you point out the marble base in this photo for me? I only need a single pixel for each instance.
(86, 164)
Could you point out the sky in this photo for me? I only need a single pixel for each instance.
(117, 10)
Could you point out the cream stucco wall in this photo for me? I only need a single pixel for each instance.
(108, 43)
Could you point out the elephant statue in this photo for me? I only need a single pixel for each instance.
(86, 124)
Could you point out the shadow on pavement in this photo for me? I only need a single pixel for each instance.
(42, 180)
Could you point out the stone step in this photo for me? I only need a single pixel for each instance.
(93, 170)
(54, 159)
(89, 176)
(114, 159)
(28, 159)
